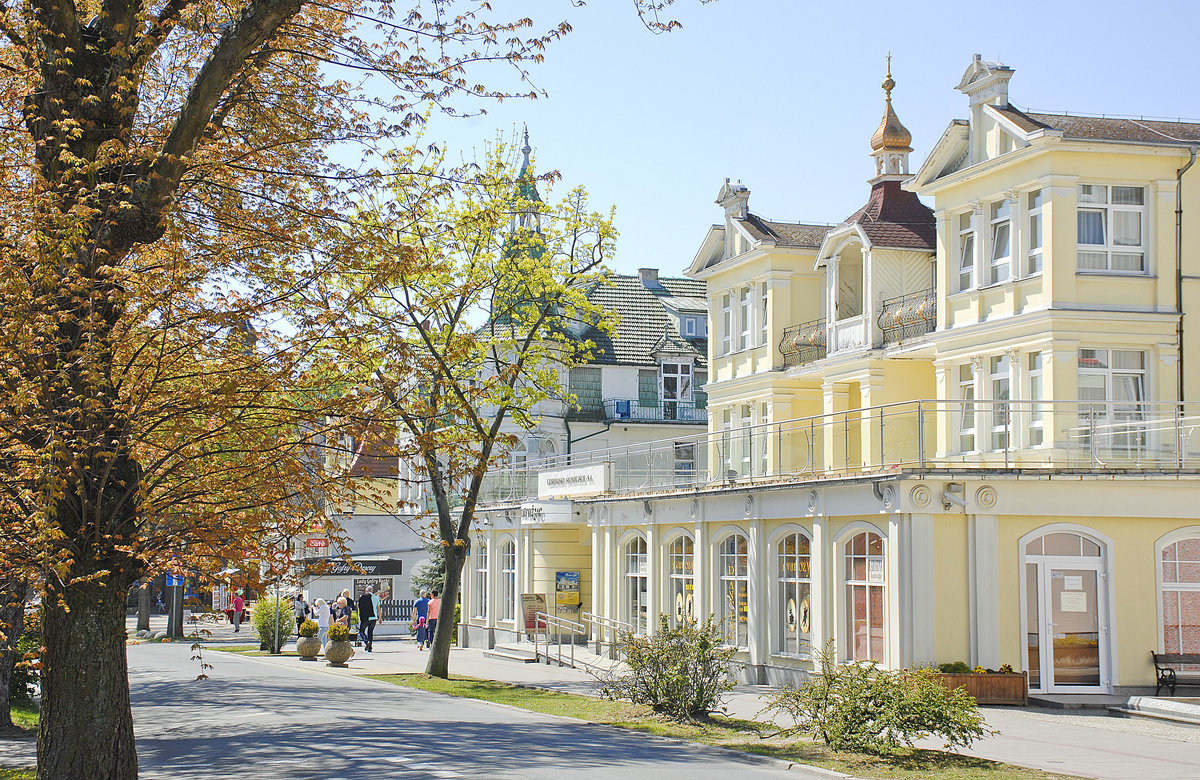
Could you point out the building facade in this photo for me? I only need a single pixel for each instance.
(954, 431)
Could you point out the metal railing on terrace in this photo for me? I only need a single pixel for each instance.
(803, 343)
(908, 316)
(663, 410)
(933, 434)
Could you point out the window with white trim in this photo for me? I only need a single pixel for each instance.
(747, 440)
(1110, 228)
(762, 314)
(637, 582)
(795, 594)
(763, 462)
(1180, 600)
(508, 580)
(689, 326)
(865, 580)
(726, 439)
(685, 462)
(1000, 254)
(966, 252)
(1037, 392)
(681, 558)
(726, 323)
(1033, 253)
(1000, 377)
(966, 420)
(745, 316)
(733, 567)
(1114, 380)
(481, 580)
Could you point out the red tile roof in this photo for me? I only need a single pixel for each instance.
(896, 218)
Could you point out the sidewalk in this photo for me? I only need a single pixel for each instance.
(1089, 744)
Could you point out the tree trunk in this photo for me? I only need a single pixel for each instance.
(12, 623)
(87, 724)
(439, 654)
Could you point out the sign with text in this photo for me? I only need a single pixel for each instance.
(576, 481)
(542, 512)
(566, 594)
(317, 543)
(531, 604)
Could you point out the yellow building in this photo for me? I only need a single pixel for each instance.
(935, 434)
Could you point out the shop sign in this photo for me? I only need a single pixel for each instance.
(531, 604)
(317, 543)
(541, 512)
(566, 593)
(575, 481)
(382, 585)
(369, 568)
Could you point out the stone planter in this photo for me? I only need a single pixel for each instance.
(308, 648)
(991, 688)
(337, 653)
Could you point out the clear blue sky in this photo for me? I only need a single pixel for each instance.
(784, 94)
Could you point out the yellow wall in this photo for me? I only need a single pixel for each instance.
(562, 549)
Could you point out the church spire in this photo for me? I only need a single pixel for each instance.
(529, 217)
(526, 149)
(890, 143)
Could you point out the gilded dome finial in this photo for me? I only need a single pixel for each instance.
(889, 84)
(891, 134)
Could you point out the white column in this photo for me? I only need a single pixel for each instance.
(918, 617)
(893, 589)
(599, 573)
(983, 578)
(759, 613)
(822, 608)
(700, 568)
(653, 569)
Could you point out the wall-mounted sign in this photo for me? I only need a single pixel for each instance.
(531, 604)
(566, 594)
(575, 481)
(542, 512)
(358, 568)
(316, 543)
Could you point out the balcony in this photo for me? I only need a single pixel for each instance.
(908, 316)
(803, 343)
(635, 410)
(920, 436)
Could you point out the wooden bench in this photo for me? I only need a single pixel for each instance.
(1169, 677)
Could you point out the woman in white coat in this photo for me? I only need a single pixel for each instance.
(321, 614)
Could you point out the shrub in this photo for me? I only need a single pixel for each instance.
(22, 685)
(308, 628)
(339, 633)
(680, 672)
(861, 707)
(955, 667)
(272, 615)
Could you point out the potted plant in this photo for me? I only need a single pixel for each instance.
(338, 649)
(987, 686)
(308, 646)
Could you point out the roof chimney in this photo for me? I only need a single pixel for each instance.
(649, 277)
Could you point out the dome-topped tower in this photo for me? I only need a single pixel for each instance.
(890, 143)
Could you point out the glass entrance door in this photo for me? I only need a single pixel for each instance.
(1067, 633)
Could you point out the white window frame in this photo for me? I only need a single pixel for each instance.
(1000, 390)
(726, 323)
(966, 252)
(689, 326)
(745, 318)
(747, 454)
(480, 591)
(508, 580)
(1034, 255)
(763, 455)
(725, 579)
(1035, 363)
(968, 437)
(685, 461)
(635, 577)
(801, 579)
(875, 579)
(1164, 587)
(1000, 267)
(1109, 212)
(681, 579)
(763, 303)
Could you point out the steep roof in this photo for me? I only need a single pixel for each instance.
(374, 456)
(896, 218)
(643, 320)
(785, 233)
(1142, 131)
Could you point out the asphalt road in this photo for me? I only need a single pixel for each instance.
(258, 720)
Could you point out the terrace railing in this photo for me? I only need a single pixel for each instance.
(908, 316)
(803, 343)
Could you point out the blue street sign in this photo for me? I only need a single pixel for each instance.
(173, 580)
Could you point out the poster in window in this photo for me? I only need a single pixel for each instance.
(874, 569)
(566, 593)
(1073, 601)
(790, 616)
(805, 615)
(679, 607)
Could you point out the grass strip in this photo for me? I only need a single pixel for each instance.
(746, 736)
(249, 650)
(25, 716)
(17, 774)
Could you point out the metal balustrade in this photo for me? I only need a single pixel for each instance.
(562, 627)
(606, 631)
(908, 316)
(932, 434)
(803, 343)
(656, 410)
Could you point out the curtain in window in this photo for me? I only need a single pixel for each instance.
(1127, 228)
(1091, 227)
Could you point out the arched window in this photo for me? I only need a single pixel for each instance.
(481, 580)
(795, 586)
(865, 610)
(1180, 563)
(683, 581)
(508, 580)
(636, 585)
(733, 567)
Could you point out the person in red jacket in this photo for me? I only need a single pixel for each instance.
(239, 605)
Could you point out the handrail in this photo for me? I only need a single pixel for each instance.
(574, 629)
(601, 624)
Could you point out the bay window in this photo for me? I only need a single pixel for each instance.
(1037, 392)
(966, 422)
(1001, 390)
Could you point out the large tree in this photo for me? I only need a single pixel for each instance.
(471, 295)
(169, 179)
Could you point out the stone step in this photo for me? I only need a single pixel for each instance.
(1176, 710)
(512, 653)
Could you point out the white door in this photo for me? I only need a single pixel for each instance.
(1066, 625)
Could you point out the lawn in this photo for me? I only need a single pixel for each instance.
(24, 716)
(731, 733)
(247, 650)
(17, 774)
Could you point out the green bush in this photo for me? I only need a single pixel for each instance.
(339, 633)
(308, 628)
(954, 667)
(859, 706)
(680, 672)
(22, 685)
(271, 615)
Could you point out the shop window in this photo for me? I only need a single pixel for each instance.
(795, 594)
(681, 556)
(865, 608)
(1180, 601)
(636, 585)
(733, 566)
(508, 580)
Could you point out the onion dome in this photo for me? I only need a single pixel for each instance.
(890, 135)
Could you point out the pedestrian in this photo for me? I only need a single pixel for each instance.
(420, 617)
(350, 606)
(321, 613)
(239, 605)
(368, 613)
(435, 609)
(301, 610)
(340, 611)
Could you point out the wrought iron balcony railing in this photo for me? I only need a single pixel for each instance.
(803, 343)
(907, 316)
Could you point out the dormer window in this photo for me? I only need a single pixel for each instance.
(1110, 228)
(689, 326)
